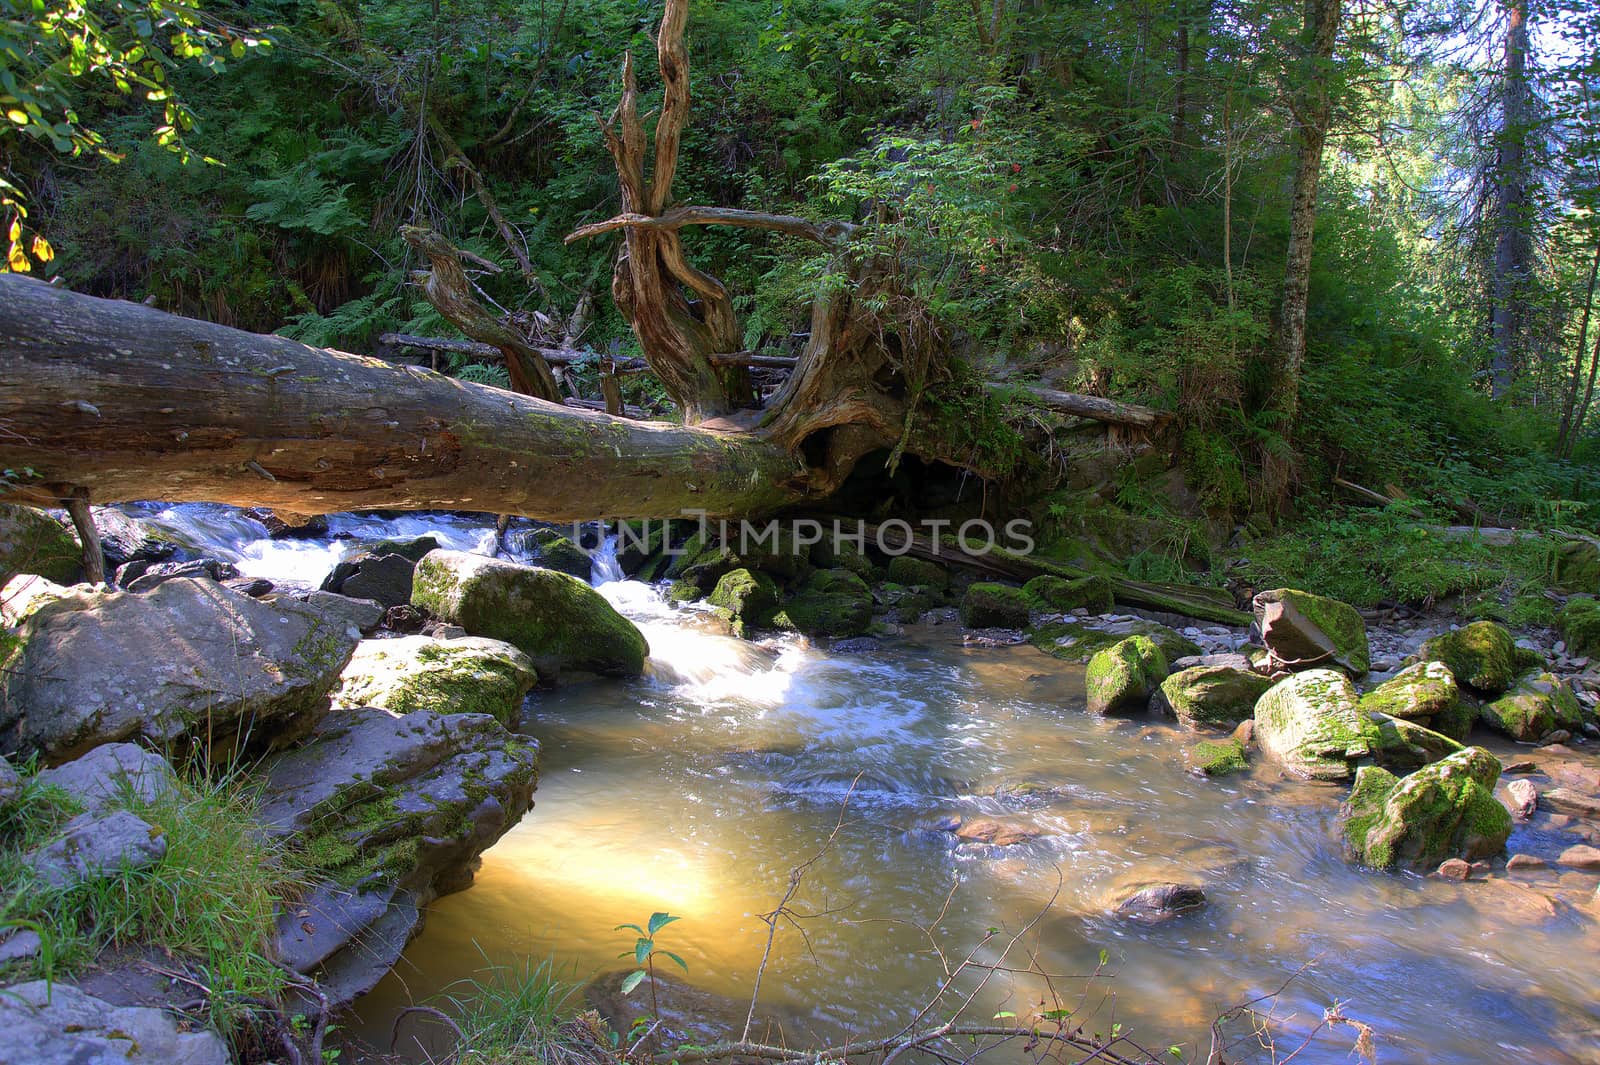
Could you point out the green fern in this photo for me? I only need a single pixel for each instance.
(481, 374)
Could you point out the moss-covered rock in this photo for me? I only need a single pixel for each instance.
(1401, 746)
(1536, 704)
(749, 598)
(1047, 592)
(554, 618)
(1125, 675)
(1218, 758)
(1579, 624)
(1072, 641)
(1312, 724)
(831, 602)
(1577, 567)
(560, 553)
(1213, 696)
(987, 605)
(1444, 810)
(1305, 631)
(31, 541)
(905, 604)
(903, 569)
(466, 676)
(1419, 693)
(1481, 656)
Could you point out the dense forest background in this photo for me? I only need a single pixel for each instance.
(1096, 194)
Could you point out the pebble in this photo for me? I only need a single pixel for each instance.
(1523, 799)
(1521, 862)
(1454, 869)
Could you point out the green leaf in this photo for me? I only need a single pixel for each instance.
(681, 963)
(631, 927)
(658, 921)
(1105, 956)
(641, 950)
(1004, 1015)
(632, 980)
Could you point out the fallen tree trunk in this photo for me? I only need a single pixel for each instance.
(132, 403)
(569, 356)
(1111, 411)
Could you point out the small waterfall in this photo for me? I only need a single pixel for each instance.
(606, 567)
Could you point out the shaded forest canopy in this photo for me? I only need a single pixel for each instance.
(1097, 198)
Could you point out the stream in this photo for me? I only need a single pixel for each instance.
(696, 789)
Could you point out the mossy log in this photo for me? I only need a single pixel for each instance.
(133, 403)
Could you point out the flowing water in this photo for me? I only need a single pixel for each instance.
(696, 789)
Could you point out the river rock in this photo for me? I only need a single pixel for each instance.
(749, 598)
(1425, 692)
(1218, 758)
(1481, 655)
(558, 621)
(1522, 799)
(1155, 903)
(111, 775)
(149, 575)
(125, 539)
(393, 807)
(10, 783)
(903, 569)
(987, 605)
(471, 675)
(362, 615)
(559, 553)
(96, 845)
(287, 525)
(1050, 593)
(1536, 705)
(1125, 675)
(190, 662)
(1402, 746)
(52, 1023)
(1444, 810)
(1312, 724)
(384, 579)
(1073, 641)
(1213, 696)
(1580, 856)
(830, 602)
(31, 541)
(1305, 631)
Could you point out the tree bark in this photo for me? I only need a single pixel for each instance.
(1513, 248)
(1569, 406)
(132, 403)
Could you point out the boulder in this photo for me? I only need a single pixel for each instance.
(831, 602)
(1125, 675)
(1579, 625)
(191, 662)
(1218, 758)
(384, 579)
(1213, 696)
(560, 553)
(472, 675)
(1536, 705)
(111, 775)
(987, 605)
(93, 846)
(750, 599)
(1577, 567)
(1401, 746)
(554, 618)
(394, 811)
(1305, 631)
(144, 576)
(1481, 656)
(287, 525)
(903, 569)
(1441, 811)
(125, 539)
(413, 548)
(1155, 903)
(51, 1023)
(31, 541)
(1312, 724)
(363, 615)
(1072, 641)
(1420, 692)
(1047, 592)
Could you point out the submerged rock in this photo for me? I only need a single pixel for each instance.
(190, 662)
(1313, 726)
(987, 605)
(1444, 810)
(52, 1023)
(1218, 758)
(395, 810)
(1125, 675)
(1154, 903)
(472, 675)
(1536, 705)
(1305, 631)
(1481, 655)
(555, 619)
(1213, 696)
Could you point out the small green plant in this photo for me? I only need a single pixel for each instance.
(644, 954)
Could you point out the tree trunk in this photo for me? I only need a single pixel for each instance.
(1588, 394)
(1312, 103)
(131, 403)
(1513, 243)
(1568, 407)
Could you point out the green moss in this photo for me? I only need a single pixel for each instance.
(1313, 725)
(1536, 704)
(1316, 630)
(560, 553)
(832, 602)
(1047, 592)
(1481, 655)
(1218, 758)
(1579, 623)
(34, 542)
(1443, 810)
(1577, 567)
(1124, 675)
(903, 569)
(1214, 696)
(749, 598)
(1417, 693)
(1403, 745)
(987, 605)
(1074, 642)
